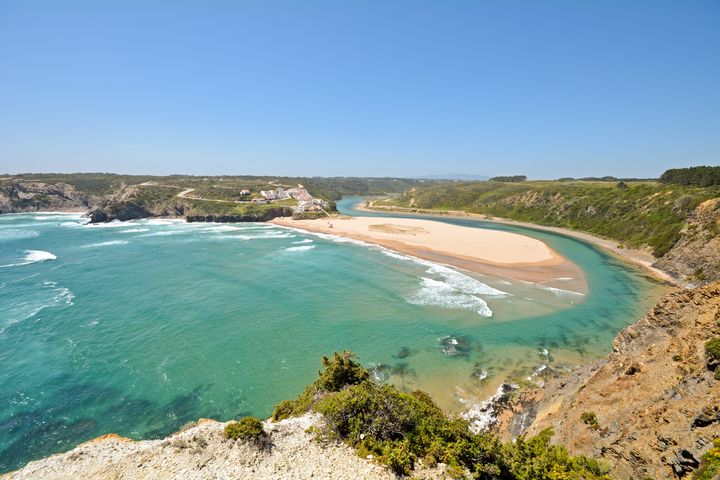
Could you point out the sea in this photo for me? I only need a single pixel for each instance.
(137, 328)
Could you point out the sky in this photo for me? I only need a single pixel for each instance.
(547, 89)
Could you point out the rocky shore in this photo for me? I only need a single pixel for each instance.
(651, 408)
(202, 452)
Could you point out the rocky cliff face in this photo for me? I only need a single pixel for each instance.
(651, 407)
(696, 256)
(130, 203)
(27, 196)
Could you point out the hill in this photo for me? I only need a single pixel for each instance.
(125, 197)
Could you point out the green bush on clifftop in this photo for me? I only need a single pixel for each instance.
(247, 428)
(399, 428)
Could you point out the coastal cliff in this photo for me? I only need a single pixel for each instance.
(651, 408)
(33, 196)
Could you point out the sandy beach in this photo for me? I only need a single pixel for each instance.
(489, 252)
(641, 258)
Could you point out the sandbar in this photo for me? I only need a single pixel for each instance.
(489, 252)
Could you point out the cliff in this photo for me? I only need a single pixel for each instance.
(697, 254)
(30, 196)
(651, 408)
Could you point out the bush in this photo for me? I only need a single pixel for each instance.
(247, 428)
(397, 428)
(710, 466)
(589, 418)
(712, 352)
(712, 349)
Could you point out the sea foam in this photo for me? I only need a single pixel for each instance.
(106, 244)
(301, 248)
(32, 256)
(442, 294)
(16, 234)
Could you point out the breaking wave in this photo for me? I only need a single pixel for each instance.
(106, 244)
(302, 248)
(442, 294)
(33, 256)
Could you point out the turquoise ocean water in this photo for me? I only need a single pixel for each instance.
(137, 328)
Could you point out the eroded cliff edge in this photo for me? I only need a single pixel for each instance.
(651, 408)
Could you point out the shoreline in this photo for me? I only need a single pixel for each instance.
(497, 254)
(635, 257)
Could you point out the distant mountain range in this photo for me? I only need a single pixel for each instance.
(454, 176)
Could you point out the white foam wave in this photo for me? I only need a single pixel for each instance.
(163, 221)
(268, 235)
(56, 217)
(106, 244)
(33, 256)
(135, 230)
(442, 294)
(161, 233)
(307, 240)
(35, 302)
(16, 234)
(482, 415)
(561, 291)
(113, 224)
(462, 282)
(221, 228)
(301, 248)
(392, 254)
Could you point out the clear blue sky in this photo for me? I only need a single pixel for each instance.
(399, 88)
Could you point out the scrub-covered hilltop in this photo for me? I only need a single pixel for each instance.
(226, 198)
(676, 220)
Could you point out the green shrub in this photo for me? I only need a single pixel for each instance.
(398, 428)
(676, 358)
(589, 418)
(712, 351)
(710, 466)
(247, 428)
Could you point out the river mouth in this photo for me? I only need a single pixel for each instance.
(137, 328)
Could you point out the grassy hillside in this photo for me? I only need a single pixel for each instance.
(223, 187)
(636, 213)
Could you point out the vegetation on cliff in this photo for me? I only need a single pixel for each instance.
(710, 466)
(401, 429)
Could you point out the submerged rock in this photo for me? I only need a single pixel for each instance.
(454, 346)
(403, 353)
(379, 372)
(402, 370)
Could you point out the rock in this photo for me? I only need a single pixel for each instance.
(31, 196)
(203, 452)
(657, 415)
(453, 346)
(707, 417)
(404, 352)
